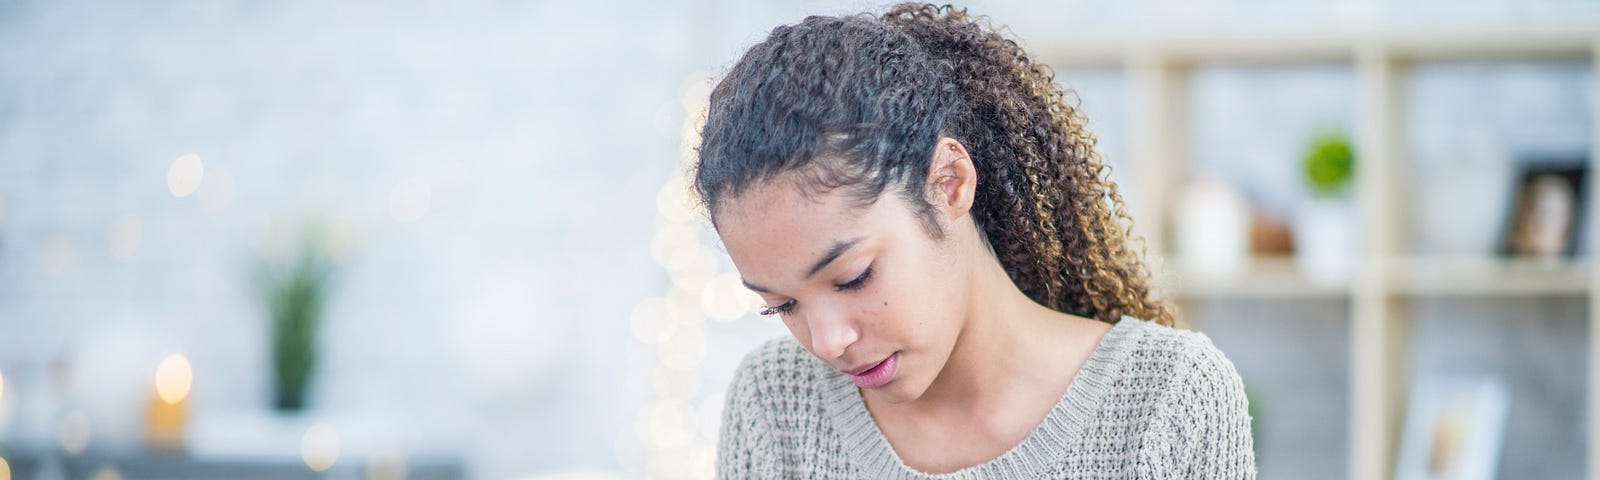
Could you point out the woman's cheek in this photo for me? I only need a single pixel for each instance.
(798, 328)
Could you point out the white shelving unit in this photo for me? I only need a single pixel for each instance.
(1388, 278)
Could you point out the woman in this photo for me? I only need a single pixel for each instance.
(915, 199)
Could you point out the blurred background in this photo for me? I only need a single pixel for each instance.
(439, 240)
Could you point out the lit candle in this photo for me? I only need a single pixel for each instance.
(165, 417)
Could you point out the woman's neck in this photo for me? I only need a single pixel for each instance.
(1010, 351)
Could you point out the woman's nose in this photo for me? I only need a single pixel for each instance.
(832, 332)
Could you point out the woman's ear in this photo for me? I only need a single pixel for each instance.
(952, 179)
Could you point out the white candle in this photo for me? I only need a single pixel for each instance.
(168, 410)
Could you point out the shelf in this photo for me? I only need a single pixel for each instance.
(1278, 278)
(1491, 277)
(1265, 278)
(1158, 73)
(1554, 42)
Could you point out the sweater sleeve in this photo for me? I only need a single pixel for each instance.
(744, 442)
(1202, 425)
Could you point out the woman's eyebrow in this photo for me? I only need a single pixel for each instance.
(833, 254)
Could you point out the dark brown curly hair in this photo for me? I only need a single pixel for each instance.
(860, 102)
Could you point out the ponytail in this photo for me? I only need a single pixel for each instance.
(1057, 223)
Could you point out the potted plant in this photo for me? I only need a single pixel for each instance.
(295, 290)
(1325, 236)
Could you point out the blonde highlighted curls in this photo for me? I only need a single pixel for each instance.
(1073, 252)
(878, 92)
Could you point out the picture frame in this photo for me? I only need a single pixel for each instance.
(1454, 429)
(1547, 213)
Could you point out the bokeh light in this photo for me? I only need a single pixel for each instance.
(184, 175)
(673, 201)
(74, 432)
(685, 350)
(725, 298)
(319, 447)
(652, 321)
(59, 256)
(173, 379)
(107, 472)
(671, 238)
(702, 459)
(670, 383)
(710, 414)
(386, 466)
(671, 424)
(122, 239)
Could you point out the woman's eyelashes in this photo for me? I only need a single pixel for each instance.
(786, 307)
(859, 281)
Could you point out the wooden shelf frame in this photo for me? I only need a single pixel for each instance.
(1387, 279)
(1279, 278)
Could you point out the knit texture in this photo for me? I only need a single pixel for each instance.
(1150, 402)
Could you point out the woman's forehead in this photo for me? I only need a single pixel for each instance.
(771, 207)
(771, 229)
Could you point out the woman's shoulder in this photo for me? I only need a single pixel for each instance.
(1201, 420)
(1167, 353)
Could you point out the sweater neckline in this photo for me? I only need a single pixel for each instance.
(870, 451)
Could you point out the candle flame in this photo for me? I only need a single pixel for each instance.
(173, 379)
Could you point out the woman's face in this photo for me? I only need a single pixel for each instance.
(862, 288)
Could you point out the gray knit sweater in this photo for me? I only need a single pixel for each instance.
(1150, 402)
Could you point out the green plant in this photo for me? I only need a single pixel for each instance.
(295, 290)
(1330, 163)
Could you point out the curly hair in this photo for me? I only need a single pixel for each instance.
(861, 101)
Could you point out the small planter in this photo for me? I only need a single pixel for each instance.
(1325, 240)
(1325, 226)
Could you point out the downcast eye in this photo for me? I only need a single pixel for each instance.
(860, 281)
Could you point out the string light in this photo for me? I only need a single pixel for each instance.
(676, 445)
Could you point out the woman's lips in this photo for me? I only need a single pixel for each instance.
(879, 374)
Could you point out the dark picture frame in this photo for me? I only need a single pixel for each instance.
(1548, 209)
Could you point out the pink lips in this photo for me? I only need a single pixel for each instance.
(879, 374)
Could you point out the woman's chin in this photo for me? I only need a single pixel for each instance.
(895, 392)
